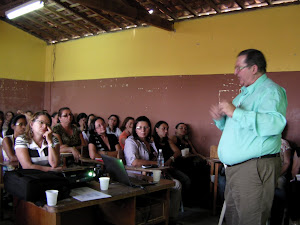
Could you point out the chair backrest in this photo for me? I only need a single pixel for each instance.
(85, 152)
(213, 152)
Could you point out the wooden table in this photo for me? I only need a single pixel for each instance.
(214, 171)
(124, 207)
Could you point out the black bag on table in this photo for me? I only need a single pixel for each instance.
(30, 184)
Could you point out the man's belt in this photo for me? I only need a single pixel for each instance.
(261, 157)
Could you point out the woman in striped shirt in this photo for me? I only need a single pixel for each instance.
(38, 148)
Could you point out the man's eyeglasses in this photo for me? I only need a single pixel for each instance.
(42, 123)
(140, 128)
(239, 68)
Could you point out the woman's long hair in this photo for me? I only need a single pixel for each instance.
(13, 121)
(123, 126)
(92, 127)
(156, 137)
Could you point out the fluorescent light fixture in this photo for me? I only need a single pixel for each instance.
(24, 8)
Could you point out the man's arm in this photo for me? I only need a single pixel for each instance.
(267, 120)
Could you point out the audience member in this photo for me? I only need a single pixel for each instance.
(82, 124)
(68, 134)
(170, 153)
(279, 201)
(54, 118)
(16, 128)
(194, 165)
(293, 190)
(38, 148)
(8, 117)
(182, 141)
(88, 123)
(1, 126)
(100, 142)
(126, 129)
(113, 125)
(140, 150)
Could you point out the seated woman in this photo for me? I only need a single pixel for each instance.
(140, 150)
(100, 142)
(1, 126)
(293, 190)
(54, 118)
(82, 124)
(181, 140)
(195, 166)
(277, 211)
(113, 125)
(68, 134)
(170, 153)
(126, 129)
(88, 123)
(8, 117)
(16, 128)
(38, 148)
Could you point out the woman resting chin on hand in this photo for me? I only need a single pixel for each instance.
(38, 148)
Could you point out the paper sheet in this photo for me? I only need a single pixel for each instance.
(85, 194)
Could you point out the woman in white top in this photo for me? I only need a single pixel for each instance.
(38, 148)
(16, 128)
(113, 125)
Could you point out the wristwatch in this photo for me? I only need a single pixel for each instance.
(51, 145)
(172, 158)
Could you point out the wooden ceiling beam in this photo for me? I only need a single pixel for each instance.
(51, 29)
(66, 18)
(269, 2)
(120, 8)
(29, 28)
(164, 9)
(95, 24)
(213, 5)
(108, 18)
(188, 8)
(240, 4)
(59, 26)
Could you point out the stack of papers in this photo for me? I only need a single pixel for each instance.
(86, 194)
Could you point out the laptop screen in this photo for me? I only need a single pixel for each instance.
(116, 169)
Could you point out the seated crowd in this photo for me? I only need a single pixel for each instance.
(36, 141)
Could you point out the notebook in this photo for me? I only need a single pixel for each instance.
(117, 172)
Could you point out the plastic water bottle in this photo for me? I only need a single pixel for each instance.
(160, 159)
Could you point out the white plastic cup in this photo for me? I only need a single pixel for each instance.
(156, 175)
(104, 183)
(185, 152)
(51, 197)
(298, 177)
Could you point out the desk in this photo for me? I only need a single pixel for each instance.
(121, 208)
(214, 171)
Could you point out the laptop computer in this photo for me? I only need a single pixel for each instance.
(117, 172)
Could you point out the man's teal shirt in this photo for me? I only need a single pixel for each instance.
(256, 125)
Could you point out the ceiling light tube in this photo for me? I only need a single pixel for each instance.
(24, 8)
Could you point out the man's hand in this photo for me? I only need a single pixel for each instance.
(215, 112)
(227, 108)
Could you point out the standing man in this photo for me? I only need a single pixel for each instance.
(251, 140)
